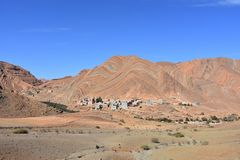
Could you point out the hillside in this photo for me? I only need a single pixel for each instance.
(213, 82)
(14, 105)
(15, 78)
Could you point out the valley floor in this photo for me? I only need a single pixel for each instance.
(98, 135)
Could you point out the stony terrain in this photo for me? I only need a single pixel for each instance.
(97, 135)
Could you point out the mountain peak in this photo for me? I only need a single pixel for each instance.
(16, 78)
(207, 80)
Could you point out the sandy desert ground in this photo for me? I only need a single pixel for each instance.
(98, 135)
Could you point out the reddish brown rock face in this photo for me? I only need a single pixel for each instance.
(16, 78)
(13, 81)
(215, 83)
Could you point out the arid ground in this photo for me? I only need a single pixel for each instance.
(98, 135)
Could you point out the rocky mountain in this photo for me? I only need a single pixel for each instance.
(15, 78)
(119, 77)
(215, 83)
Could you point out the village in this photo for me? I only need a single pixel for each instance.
(117, 104)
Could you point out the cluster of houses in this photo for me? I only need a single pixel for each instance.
(99, 103)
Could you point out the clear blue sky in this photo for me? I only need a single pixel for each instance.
(54, 38)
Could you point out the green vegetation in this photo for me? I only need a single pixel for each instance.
(60, 107)
(99, 99)
(160, 120)
(21, 131)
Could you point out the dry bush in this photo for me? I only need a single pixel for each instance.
(155, 140)
(21, 131)
(145, 147)
(177, 135)
(205, 143)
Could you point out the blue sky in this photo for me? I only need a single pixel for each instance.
(55, 38)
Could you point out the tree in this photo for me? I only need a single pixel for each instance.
(99, 99)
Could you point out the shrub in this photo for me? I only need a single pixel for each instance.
(68, 131)
(159, 119)
(81, 132)
(180, 120)
(98, 127)
(177, 135)
(57, 131)
(138, 117)
(205, 143)
(60, 107)
(21, 131)
(155, 140)
(145, 147)
(194, 142)
(97, 146)
(165, 120)
(215, 118)
(204, 119)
